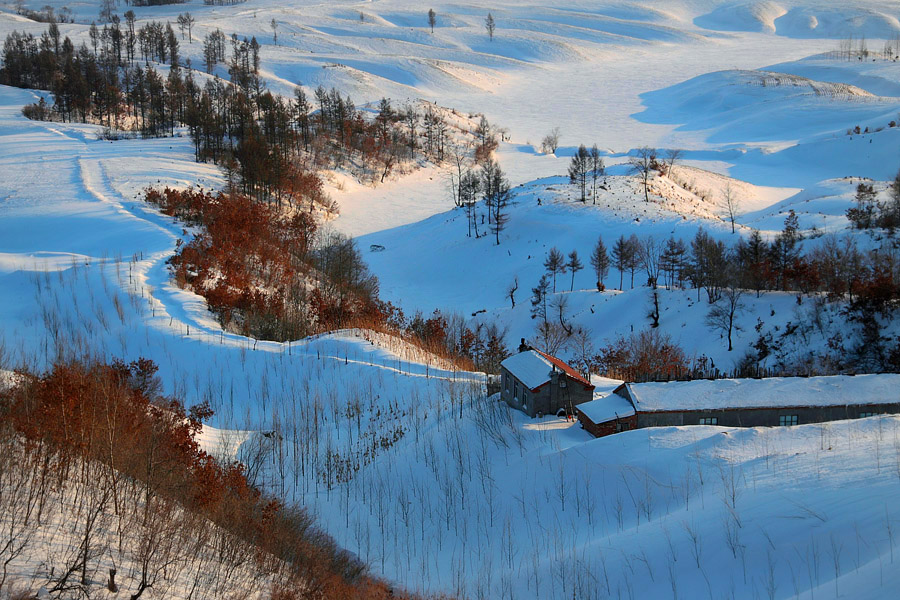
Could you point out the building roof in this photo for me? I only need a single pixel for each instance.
(606, 408)
(533, 368)
(773, 392)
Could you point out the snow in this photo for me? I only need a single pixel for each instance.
(473, 498)
(606, 408)
(836, 390)
(530, 368)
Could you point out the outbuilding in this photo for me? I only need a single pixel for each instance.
(774, 401)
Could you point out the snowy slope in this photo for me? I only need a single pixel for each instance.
(402, 459)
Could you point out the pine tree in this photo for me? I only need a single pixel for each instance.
(600, 262)
(579, 168)
(496, 192)
(490, 25)
(555, 264)
(598, 169)
(620, 257)
(574, 265)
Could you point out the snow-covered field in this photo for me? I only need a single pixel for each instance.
(401, 458)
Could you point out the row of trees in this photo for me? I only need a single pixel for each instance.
(835, 269)
(102, 84)
(271, 145)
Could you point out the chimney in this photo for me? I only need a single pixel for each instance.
(523, 347)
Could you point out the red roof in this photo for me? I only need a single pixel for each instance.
(568, 370)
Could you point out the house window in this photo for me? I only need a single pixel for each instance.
(623, 426)
(515, 389)
(787, 419)
(506, 381)
(709, 420)
(863, 415)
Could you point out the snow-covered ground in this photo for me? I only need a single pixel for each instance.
(402, 459)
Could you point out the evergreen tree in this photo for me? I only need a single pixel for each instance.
(600, 262)
(574, 265)
(620, 257)
(490, 25)
(579, 168)
(555, 264)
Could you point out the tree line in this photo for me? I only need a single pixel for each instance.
(834, 270)
(272, 146)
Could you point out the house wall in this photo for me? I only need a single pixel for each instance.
(763, 417)
(547, 399)
(509, 385)
(608, 427)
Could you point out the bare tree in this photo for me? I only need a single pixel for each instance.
(560, 305)
(731, 203)
(490, 25)
(551, 337)
(649, 253)
(671, 156)
(274, 26)
(550, 143)
(432, 19)
(511, 291)
(721, 314)
(653, 311)
(642, 164)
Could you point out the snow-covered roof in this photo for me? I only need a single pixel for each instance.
(773, 392)
(606, 408)
(533, 368)
(529, 367)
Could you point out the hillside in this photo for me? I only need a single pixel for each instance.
(380, 429)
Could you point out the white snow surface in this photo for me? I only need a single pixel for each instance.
(530, 368)
(606, 408)
(460, 494)
(835, 390)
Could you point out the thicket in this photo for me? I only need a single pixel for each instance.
(273, 274)
(135, 458)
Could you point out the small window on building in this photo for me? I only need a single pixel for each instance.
(709, 420)
(863, 415)
(506, 381)
(516, 389)
(623, 426)
(562, 382)
(787, 419)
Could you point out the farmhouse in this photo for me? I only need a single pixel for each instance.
(539, 384)
(742, 402)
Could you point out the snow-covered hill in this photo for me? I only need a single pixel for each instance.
(400, 456)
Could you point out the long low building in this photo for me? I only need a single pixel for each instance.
(742, 402)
